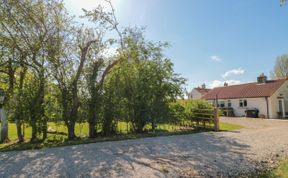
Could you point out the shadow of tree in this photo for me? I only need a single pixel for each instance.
(173, 156)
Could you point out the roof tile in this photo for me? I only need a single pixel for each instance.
(248, 90)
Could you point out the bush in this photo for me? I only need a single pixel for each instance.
(185, 110)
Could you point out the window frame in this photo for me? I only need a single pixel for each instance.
(229, 104)
(243, 103)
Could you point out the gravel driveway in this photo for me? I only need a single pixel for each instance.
(225, 154)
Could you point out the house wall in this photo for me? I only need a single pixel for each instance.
(194, 94)
(273, 100)
(252, 103)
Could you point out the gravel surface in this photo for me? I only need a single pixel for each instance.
(225, 154)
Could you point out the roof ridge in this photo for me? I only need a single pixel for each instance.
(249, 83)
(246, 90)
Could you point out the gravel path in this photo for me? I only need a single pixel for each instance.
(225, 154)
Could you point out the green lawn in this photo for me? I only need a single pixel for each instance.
(81, 130)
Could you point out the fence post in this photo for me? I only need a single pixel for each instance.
(216, 119)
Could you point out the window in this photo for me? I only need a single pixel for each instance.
(245, 103)
(229, 104)
(222, 104)
(242, 103)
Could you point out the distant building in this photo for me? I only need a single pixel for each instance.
(199, 92)
(269, 97)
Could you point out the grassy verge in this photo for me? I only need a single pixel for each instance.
(57, 140)
(280, 172)
(227, 126)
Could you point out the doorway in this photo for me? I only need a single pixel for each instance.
(281, 108)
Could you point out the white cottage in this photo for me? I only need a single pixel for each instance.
(199, 92)
(269, 97)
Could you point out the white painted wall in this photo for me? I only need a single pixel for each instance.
(194, 94)
(252, 103)
(260, 103)
(273, 100)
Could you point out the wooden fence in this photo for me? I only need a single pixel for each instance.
(206, 116)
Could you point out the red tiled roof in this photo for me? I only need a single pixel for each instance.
(248, 90)
(203, 91)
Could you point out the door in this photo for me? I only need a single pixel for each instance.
(281, 108)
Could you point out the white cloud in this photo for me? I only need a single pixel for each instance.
(218, 83)
(238, 71)
(216, 58)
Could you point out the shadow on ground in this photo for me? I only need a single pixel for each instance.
(182, 155)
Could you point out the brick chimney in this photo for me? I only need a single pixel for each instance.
(262, 78)
(225, 84)
(203, 86)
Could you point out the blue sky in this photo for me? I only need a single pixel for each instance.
(211, 41)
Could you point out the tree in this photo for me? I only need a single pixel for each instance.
(29, 25)
(100, 66)
(281, 67)
(147, 81)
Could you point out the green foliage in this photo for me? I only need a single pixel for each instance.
(281, 67)
(55, 70)
(192, 106)
(144, 83)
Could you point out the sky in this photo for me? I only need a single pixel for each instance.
(211, 41)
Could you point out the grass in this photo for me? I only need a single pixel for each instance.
(281, 171)
(81, 130)
(226, 126)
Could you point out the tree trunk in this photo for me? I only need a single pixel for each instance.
(92, 119)
(153, 125)
(19, 131)
(41, 106)
(4, 126)
(44, 129)
(34, 131)
(71, 131)
(19, 110)
(92, 130)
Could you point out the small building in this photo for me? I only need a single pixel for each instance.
(268, 97)
(199, 92)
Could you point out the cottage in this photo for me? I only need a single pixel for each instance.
(269, 97)
(199, 92)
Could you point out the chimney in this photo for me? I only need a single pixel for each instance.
(203, 86)
(225, 84)
(262, 78)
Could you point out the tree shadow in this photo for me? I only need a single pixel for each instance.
(171, 156)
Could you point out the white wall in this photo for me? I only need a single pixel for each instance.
(194, 94)
(273, 100)
(252, 103)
